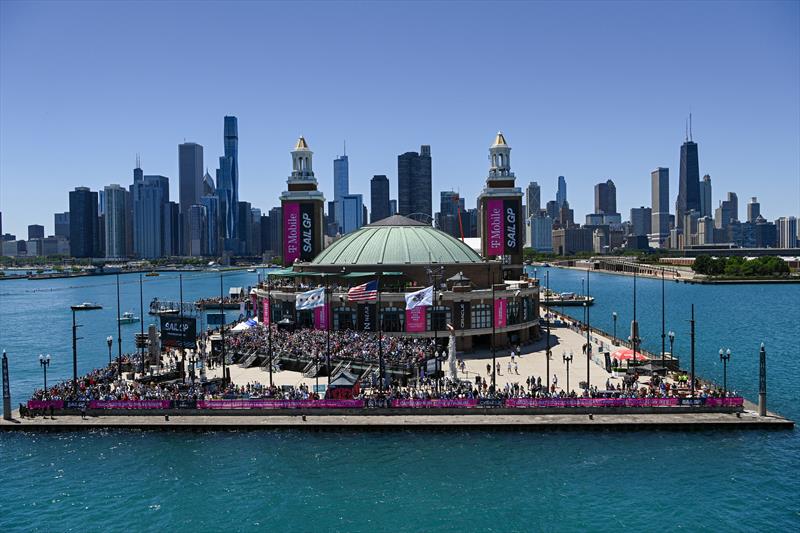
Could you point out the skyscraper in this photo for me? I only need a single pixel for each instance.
(35, 231)
(753, 209)
(641, 220)
(228, 186)
(660, 205)
(705, 196)
(451, 209)
(689, 182)
(83, 234)
(533, 199)
(787, 232)
(605, 198)
(61, 221)
(171, 234)
(727, 212)
(352, 212)
(341, 185)
(561, 194)
(190, 180)
(414, 183)
(197, 238)
(116, 201)
(245, 224)
(212, 234)
(150, 194)
(379, 198)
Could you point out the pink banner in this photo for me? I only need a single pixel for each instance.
(725, 402)
(45, 404)
(321, 317)
(279, 404)
(437, 403)
(500, 307)
(130, 404)
(265, 312)
(591, 402)
(291, 232)
(416, 319)
(494, 226)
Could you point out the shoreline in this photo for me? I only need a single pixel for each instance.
(691, 281)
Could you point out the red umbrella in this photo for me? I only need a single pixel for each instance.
(626, 354)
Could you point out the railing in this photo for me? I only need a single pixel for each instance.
(405, 403)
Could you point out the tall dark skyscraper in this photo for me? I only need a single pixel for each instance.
(83, 223)
(533, 200)
(61, 224)
(605, 198)
(379, 198)
(414, 179)
(561, 194)
(35, 231)
(190, 182)
(228, 187)
(689, 181)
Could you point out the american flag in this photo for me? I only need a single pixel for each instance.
(364, 293)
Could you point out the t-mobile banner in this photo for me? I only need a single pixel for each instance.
(495, 226)
(265, 313)
(366, 317)
(500, 308)
(291, 232)
(415, 319)
(321, 317)
(307, 231)
(511, 227)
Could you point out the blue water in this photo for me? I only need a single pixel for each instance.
(415, 480)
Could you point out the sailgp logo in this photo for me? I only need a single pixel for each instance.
(307, 233)
(511, 229)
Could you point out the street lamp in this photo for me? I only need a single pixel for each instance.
(110, 342)
(44, 361)
(671, 344)
(724, 356)
(614, 316)
(567, 360)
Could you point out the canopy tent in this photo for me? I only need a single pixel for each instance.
(247, 324)
(343, 387)
(626, 354)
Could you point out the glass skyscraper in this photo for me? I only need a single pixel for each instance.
(228, 187)
(414, 179)
(341, 187)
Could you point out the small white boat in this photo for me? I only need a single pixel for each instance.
(87, 306)
(128, 318)
(251, 269)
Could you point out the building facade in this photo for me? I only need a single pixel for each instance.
(115, 207)
(659, 179)
(379, 198)
(414, 183)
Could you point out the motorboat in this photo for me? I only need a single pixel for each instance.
(251, 269)
(128, 318)
(86, 306)
(151, 274)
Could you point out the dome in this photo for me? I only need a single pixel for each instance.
(397, 240)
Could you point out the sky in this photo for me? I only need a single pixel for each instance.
(590, 91)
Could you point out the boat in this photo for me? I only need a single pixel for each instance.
(151, 274)
(86, 306)
(566, 299)
(128, 318)
(251, 269)
(164, 310)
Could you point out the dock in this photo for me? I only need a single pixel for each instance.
(441, 419)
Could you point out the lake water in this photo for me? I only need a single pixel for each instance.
(413, 480)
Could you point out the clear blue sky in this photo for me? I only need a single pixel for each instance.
(587, 90)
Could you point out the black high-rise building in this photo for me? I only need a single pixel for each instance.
(379, 198)
(605, 198)
(689, 181)
(414, 179)
(61, 224)
(84, 223)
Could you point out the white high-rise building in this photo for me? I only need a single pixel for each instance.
(539, 233)
(115, 202)
(787, 232)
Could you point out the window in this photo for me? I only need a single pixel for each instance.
(344, 318)
(438, 317)
(513, 311)
(481, 316)
(394, 319)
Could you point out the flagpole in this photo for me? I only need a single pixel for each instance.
(380, 335)
(328, 332)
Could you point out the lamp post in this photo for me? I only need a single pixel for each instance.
(44, 361)
(663, 307)
(547, 317)
(268, 321)
(724, 356)
(567, 360)
(614, 316)
(119, 335)
(110, 342)
(588, 332)
(671, 344)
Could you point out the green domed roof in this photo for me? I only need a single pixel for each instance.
(396, 240)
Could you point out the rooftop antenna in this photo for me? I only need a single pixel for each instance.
(344, 148)
(686, 133)
(138, 161)
(690, 125)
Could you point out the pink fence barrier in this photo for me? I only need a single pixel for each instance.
(725, 402)
(427, 404)
(129, 404)
(591, 402)
(46, 404)
(279, 404)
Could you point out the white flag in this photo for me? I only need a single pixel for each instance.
(310, 299)
(419, 298)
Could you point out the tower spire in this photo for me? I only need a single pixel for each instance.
(344, 147)
(690, 125)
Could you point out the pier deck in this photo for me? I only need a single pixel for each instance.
(389, 421)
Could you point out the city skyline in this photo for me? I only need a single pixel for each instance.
(741, 144)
